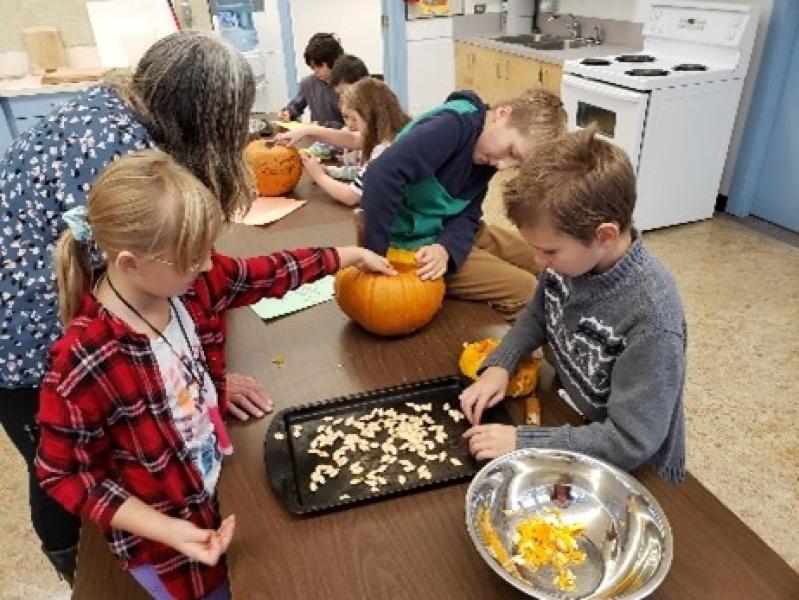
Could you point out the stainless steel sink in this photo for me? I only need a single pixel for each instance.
(540, 41)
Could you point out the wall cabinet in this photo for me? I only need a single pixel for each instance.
(496, 75)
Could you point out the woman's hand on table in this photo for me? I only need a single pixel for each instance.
(487, 391)
(432, 261)
(365, 260)
(490, 441)
(246, 397)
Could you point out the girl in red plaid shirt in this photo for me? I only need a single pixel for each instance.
(132, 407)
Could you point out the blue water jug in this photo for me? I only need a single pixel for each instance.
(234, 19)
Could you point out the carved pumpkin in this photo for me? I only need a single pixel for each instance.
(389, 305)
(522, 382)
(277, 168)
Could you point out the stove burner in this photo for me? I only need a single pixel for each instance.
(647, 72)
(690, 67)
(635, 58)
(595, 62)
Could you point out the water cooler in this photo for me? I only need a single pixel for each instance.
(233, 20)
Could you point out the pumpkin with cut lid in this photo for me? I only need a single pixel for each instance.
(277, 168)
(521, 383)
(389, 304)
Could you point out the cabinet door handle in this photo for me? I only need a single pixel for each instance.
(496, 70)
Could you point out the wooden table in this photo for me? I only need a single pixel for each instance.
(414, 546)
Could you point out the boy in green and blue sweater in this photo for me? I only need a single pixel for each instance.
(425, 193)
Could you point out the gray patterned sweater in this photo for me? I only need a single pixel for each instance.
(618, 341)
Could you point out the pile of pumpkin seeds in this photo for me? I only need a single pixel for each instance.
(341, 443)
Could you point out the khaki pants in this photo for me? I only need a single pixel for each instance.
(499, 270)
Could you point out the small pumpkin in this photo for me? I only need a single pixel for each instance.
(277, 168)
(389, 305)
(522, 382)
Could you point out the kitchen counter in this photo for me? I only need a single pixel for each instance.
(557, 57)
(31, 85)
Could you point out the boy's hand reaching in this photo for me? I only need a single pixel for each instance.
(203, 545)
(432, 261)
(490, 441)
(291, 138)
(313, 167)
(484, 393)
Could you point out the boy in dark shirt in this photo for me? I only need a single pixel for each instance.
(315, 90)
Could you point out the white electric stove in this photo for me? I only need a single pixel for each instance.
(672, 106)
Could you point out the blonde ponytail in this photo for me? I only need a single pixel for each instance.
(144, 203)
(73, 275)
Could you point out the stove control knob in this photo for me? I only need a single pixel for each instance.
(731, 35)
(656, 14)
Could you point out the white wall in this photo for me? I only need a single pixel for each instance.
(267, 24)
(749, 88)
(636, 10)
(355, 22)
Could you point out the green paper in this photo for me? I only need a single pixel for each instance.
(303, 297)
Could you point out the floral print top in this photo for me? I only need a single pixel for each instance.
(45, 172)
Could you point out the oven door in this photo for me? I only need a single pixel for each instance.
(619, 113)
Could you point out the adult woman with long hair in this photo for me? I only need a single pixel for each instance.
(190, 96)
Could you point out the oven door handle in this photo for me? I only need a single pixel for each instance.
(602, 89)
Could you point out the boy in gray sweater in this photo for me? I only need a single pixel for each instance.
(609, 311)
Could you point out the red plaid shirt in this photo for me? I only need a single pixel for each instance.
(106, 426)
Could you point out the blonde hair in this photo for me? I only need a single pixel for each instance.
(379, 108)
(575, 183)
(194, 93)
(144, 203)
(536, 113)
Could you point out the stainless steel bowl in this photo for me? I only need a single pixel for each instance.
(627, 538)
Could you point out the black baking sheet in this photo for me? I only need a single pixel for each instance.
(289, 465)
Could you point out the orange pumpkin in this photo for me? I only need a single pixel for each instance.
(277, 168)
(523, 381)
(389, 305)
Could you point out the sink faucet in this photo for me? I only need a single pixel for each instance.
(573, 28)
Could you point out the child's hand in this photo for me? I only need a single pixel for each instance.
(246, 397)
(203, 545)
(484, 393)
(490, 441)
(291, 138)
(313, 167)
(284, 115)
(365, 260)
(432, 261)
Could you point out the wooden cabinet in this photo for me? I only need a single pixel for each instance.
(496, 75)
(550, 77)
